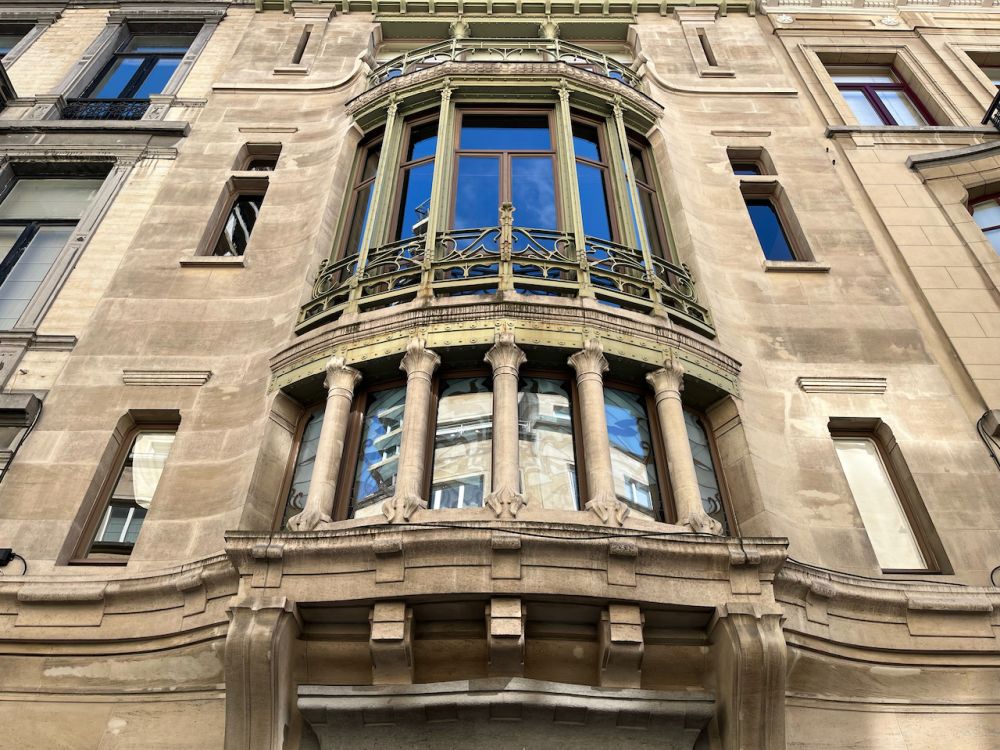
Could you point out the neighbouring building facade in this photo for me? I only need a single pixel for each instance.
(500, 373)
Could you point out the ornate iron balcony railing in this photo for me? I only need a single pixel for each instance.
(993, 112)
(105, 109)
(505, 258)
(503, 50)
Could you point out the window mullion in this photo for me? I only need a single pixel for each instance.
(572, 208)
(618, 158)
(15, 253)
(138, 78)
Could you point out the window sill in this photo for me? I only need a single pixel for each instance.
(212, 261)
(795, 266)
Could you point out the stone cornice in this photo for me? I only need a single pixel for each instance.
(553, 322)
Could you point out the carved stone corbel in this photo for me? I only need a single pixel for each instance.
(505, 636)
(590, 366)
(391, 643)
(419, 364)
(340, 383)
(622, 646)
(505, 498)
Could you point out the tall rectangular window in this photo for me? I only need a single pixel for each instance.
(11, 35)
(878, 96)
(770, 232)
(132, 492)
(239, 223)
(37, 217)
(878, 501)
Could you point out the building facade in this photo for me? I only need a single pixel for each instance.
(500, 373)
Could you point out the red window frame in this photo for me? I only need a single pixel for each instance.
(870, 91)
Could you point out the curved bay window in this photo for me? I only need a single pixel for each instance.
(545, 199)
(459, 449)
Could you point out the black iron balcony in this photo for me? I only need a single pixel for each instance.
(505, 258)
(105, 109)
(504, 50)
(993, 111)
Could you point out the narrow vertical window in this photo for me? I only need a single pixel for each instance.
(545, 444)
(632, 459)
(704, 466)
(416, 178)
(647, 200)
(239, 223)
(300, 48)
(770, 233)
(361, 197)
(592, 180)
(378, 454)
(463, 443)
(132, 493)
(304, 460)
(706, 47)
(879, 504)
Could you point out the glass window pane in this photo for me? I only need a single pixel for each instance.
(378, 456)
(415, 199)
(533, 192)
(359, 216)
(302, 474)
(114, 523)
(638, 165)
(545, 444)
(370, 166)
(8, 236)
(994, 237)
(704, 466)
(748, 168)
(147, 459)
(770, 233)
(477, 198)
(586, 142)
(649, 215)
(239, 224)
(879, 506)
(170, 43)
(632, 459)
(901, 107)
(157, 78)
(993, 73)
(49, 198)
(9, 39)
(135, 525)
(862, 109)
(505, 133)
(593, 201)
(458, 493)
(463, 441)
(423, 141)
(987, 213)
(113, 82)
(862, 74)
(27, 274)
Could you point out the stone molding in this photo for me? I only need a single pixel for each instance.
(844, 384)
(555, 323)
(166, 377)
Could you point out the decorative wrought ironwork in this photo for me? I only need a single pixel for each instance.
(993, 113)
(105, 109)
(506, 258)
(504, 50)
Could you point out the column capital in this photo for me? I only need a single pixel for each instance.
(589, 361)
(419, 360)
(340, 379)
(669, 379)
(505, 357)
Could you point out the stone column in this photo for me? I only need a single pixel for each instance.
(667, 383)
(419, 363)
(505, 358)
(590, 366)
(340, 383)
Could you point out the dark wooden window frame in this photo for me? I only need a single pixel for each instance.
(145, 68)
(605, 167)
(82, 553)
(505, 157)
(650, 187)
(870, 92)
(405, 166)
(358, 183)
